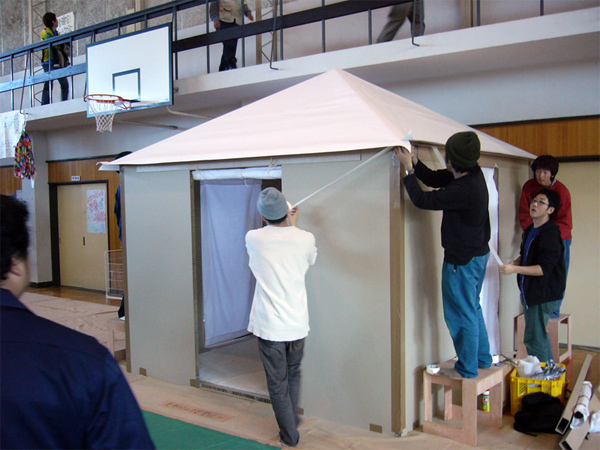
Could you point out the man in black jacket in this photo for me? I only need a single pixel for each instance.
(463, 197)
(541, 272)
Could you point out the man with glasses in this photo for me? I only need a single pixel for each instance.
(544, 170)
(541, 272)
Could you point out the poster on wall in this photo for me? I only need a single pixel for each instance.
(11, 125)
(96, 211)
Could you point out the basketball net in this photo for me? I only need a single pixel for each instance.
(103, 107)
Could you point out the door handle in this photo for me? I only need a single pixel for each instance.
(84, 241)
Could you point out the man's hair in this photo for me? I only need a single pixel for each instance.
(459, 169)
(49, 19)
(545, 162)
(276, 221)
(553, 200)
(15, 236)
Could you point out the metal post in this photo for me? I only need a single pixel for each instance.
(281, 31)
(258, 37)
(370, 18)
(323, 36)
(207, 31)
(243, 38)
(174, 38)
(478, 12)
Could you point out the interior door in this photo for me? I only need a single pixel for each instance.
(83, 235)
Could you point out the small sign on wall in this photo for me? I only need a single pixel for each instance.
(75, 178)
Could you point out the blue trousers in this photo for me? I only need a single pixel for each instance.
(461, 286)
(64, 87)
(281, 361)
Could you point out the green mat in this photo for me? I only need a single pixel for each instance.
(170, 433)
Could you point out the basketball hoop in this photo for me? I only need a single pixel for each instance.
(103, 107)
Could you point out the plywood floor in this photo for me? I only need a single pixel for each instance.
(250, 418)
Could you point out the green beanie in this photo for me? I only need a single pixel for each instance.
(463, 149)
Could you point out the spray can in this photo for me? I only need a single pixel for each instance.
(486, 401)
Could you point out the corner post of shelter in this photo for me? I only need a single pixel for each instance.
(196, 233)
(125, 271)
(397, 298)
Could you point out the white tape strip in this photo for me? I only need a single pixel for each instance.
(371, 159)
(495, 255)
(437, 153)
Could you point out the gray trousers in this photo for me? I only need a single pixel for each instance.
(281, 361)
(398, 14)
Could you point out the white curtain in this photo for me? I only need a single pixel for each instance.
(228, 211)
(490, 292)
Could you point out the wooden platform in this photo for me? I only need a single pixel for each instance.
(113, 326)
(468, 416)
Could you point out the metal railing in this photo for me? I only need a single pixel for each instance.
(94, 33)
(273, 25)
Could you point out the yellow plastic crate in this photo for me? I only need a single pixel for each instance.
(519, 387)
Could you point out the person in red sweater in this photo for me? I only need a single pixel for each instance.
(544, 170)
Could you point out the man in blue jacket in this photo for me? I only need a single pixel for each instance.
(541, 272)
(60, 388)
(461, 193)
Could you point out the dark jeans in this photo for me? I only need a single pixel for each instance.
(64, 87)
(281, 361)
(228, 60)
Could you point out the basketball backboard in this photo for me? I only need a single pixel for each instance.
(136, 66)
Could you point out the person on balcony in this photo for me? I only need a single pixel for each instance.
(397, 16)
(228, 14)
(52, 59)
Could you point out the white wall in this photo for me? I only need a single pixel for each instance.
(511, 95)
(582, 299)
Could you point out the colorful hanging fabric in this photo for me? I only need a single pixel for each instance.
(24, 163)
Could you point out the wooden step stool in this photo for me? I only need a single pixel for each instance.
(113, 326)
(468, 413)
(553, 329)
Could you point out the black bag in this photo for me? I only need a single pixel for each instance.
(540, 413)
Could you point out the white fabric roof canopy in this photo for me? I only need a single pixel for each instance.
(332, 112)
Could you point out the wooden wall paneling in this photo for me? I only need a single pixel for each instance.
(88, 170)
(9, 184)
(560, 137)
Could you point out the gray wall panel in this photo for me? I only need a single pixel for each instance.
(159, 274)
(347, 364)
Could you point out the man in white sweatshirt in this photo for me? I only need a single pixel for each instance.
(280, 254)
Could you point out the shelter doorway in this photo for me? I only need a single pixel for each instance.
(225, 210)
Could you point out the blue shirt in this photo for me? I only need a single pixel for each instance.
(60, 388)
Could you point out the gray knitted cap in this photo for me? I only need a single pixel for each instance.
(271, 204)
